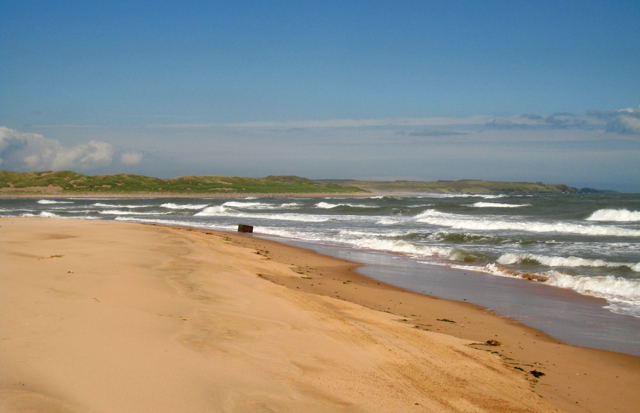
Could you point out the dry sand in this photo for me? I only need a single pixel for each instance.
(113, 317)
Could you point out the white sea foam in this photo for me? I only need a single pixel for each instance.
(187, 206)
(518, 258)
(325, 205)
(485, 196)
(261, 205)
(387, 221)
(398, 246)
(248, 205)
(119, 212)
(496, 205)
(433, 217)
(222, 211)
(618, 215)
(212, 211)
(50, 201)
(43, 214)
(622, 294)
(100, 205)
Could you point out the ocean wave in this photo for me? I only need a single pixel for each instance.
(248, 205)
(485, 196)
(326, 205)
(50, 201)
(434, 217)
(101, 205)
(222, 211)
(43, 214)
(618, 215)
(187, 206)
(496, 205)
(526, 258)
(398, 246)
(119, 212)
(212, 211)
(387, 221)
(465, 238)
(622, 294)
(260, 205)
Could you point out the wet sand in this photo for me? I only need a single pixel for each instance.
(104, 316)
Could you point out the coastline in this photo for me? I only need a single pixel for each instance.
(52, 194)
(183, 261)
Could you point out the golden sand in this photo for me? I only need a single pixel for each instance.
(118, 317)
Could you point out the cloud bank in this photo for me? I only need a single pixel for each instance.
(31, 151)
(622, 121)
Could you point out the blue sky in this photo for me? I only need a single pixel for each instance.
(362, 89)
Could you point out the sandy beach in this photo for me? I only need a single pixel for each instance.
(107, 316)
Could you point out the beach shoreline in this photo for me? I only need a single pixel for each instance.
(575, 378)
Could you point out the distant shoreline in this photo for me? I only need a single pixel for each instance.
(72, 184)
(17, 194)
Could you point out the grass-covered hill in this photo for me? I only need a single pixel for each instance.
(75, 183)
(463, 186)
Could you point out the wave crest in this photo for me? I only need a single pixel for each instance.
(527, 258)
(187, 206)
(433, 217)
(617, 215)
(496, 205)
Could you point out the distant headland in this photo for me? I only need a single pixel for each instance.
(69, 183)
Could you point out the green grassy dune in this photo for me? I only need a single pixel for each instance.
(68, 182)
(471, 186)
(75, 183)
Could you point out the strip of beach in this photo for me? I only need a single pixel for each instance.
(108, 316)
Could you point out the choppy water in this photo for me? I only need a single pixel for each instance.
(588, 243)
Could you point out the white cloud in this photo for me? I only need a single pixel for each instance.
(130, 158)
(31, 151)
(627, 124)
(622, 121)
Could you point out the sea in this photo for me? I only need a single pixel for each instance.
(567, 264)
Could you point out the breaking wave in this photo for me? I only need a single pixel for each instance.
(496, 205)
(51, 201)
(222, 211)
(118, 212)
(526, 258)
(260, 205)
(617, 215)
(43, 214)
(622, 294)
(485, 196)
(326, 205)
(387, 221)
(100, 205)
(433, 217)
(187, 206)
